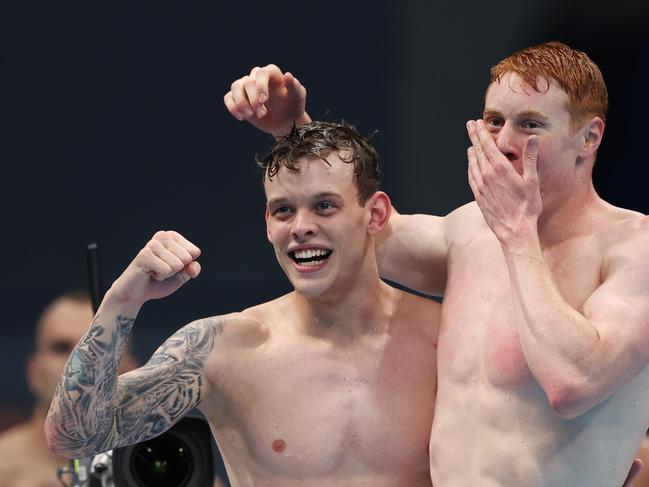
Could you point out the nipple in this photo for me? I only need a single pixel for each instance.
(279, 445)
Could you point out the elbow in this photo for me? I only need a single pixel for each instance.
(64, 444)
(570, 401)
(564, 406)
(55, 441)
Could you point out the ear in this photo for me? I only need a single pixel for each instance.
(380, 208)
(592, 133)
(266, 217)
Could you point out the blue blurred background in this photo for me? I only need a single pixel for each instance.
(113, 127)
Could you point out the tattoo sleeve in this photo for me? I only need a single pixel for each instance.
(97, 411)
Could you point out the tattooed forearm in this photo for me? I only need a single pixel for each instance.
(98, 411)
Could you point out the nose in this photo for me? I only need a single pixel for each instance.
(304, 225)
(505, 140)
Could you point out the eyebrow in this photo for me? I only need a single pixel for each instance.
(326, 194)
(523, 114)
(317, 196)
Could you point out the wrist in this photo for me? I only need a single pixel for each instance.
(522, 238)
(116, 298)
(302, 119)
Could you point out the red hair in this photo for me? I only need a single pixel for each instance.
(572, 70)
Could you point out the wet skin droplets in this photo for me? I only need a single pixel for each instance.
(279, 445)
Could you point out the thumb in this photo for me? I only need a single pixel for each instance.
(191, 271)
(294, 87)
(530, 156)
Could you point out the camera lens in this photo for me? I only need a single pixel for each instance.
(163, 461)
(180, 457)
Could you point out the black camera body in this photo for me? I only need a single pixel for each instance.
(183, 456)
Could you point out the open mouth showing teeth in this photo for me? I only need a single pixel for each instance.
(310, 256)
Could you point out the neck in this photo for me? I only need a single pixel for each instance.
(348, 313)
(563, 216)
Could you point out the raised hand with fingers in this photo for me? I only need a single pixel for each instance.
(508, 200)
(165, 263)
(270, 100)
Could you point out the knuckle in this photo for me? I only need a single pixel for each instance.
(249, 84)
(164, 237)
(145, 253)
(152, 244)
(236, 85)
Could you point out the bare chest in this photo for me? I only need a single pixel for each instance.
(478, 335)
(302, 408)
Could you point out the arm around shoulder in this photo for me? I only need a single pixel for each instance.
(412, 250)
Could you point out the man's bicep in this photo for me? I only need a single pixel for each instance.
(619, 310)
(154, 397)
(412, 251)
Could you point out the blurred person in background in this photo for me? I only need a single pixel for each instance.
(25, 459)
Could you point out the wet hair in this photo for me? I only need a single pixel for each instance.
(571, 69)
(319, 139)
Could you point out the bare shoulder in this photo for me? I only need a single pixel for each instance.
(232, 331)
(418, 312)
(13, 439)
(15, 446)
(464, 221)
(625, 236)
(270, 315)
(249, 328)
(467, 212)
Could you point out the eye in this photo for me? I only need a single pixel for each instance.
(531, 125)
(281, 209)
(325, 206)
(281, 212)
(61, 347)
(494, 123)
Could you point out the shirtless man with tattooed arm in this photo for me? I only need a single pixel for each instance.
(544, 335)
(332, 384)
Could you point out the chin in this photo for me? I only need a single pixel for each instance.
(310, 290)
